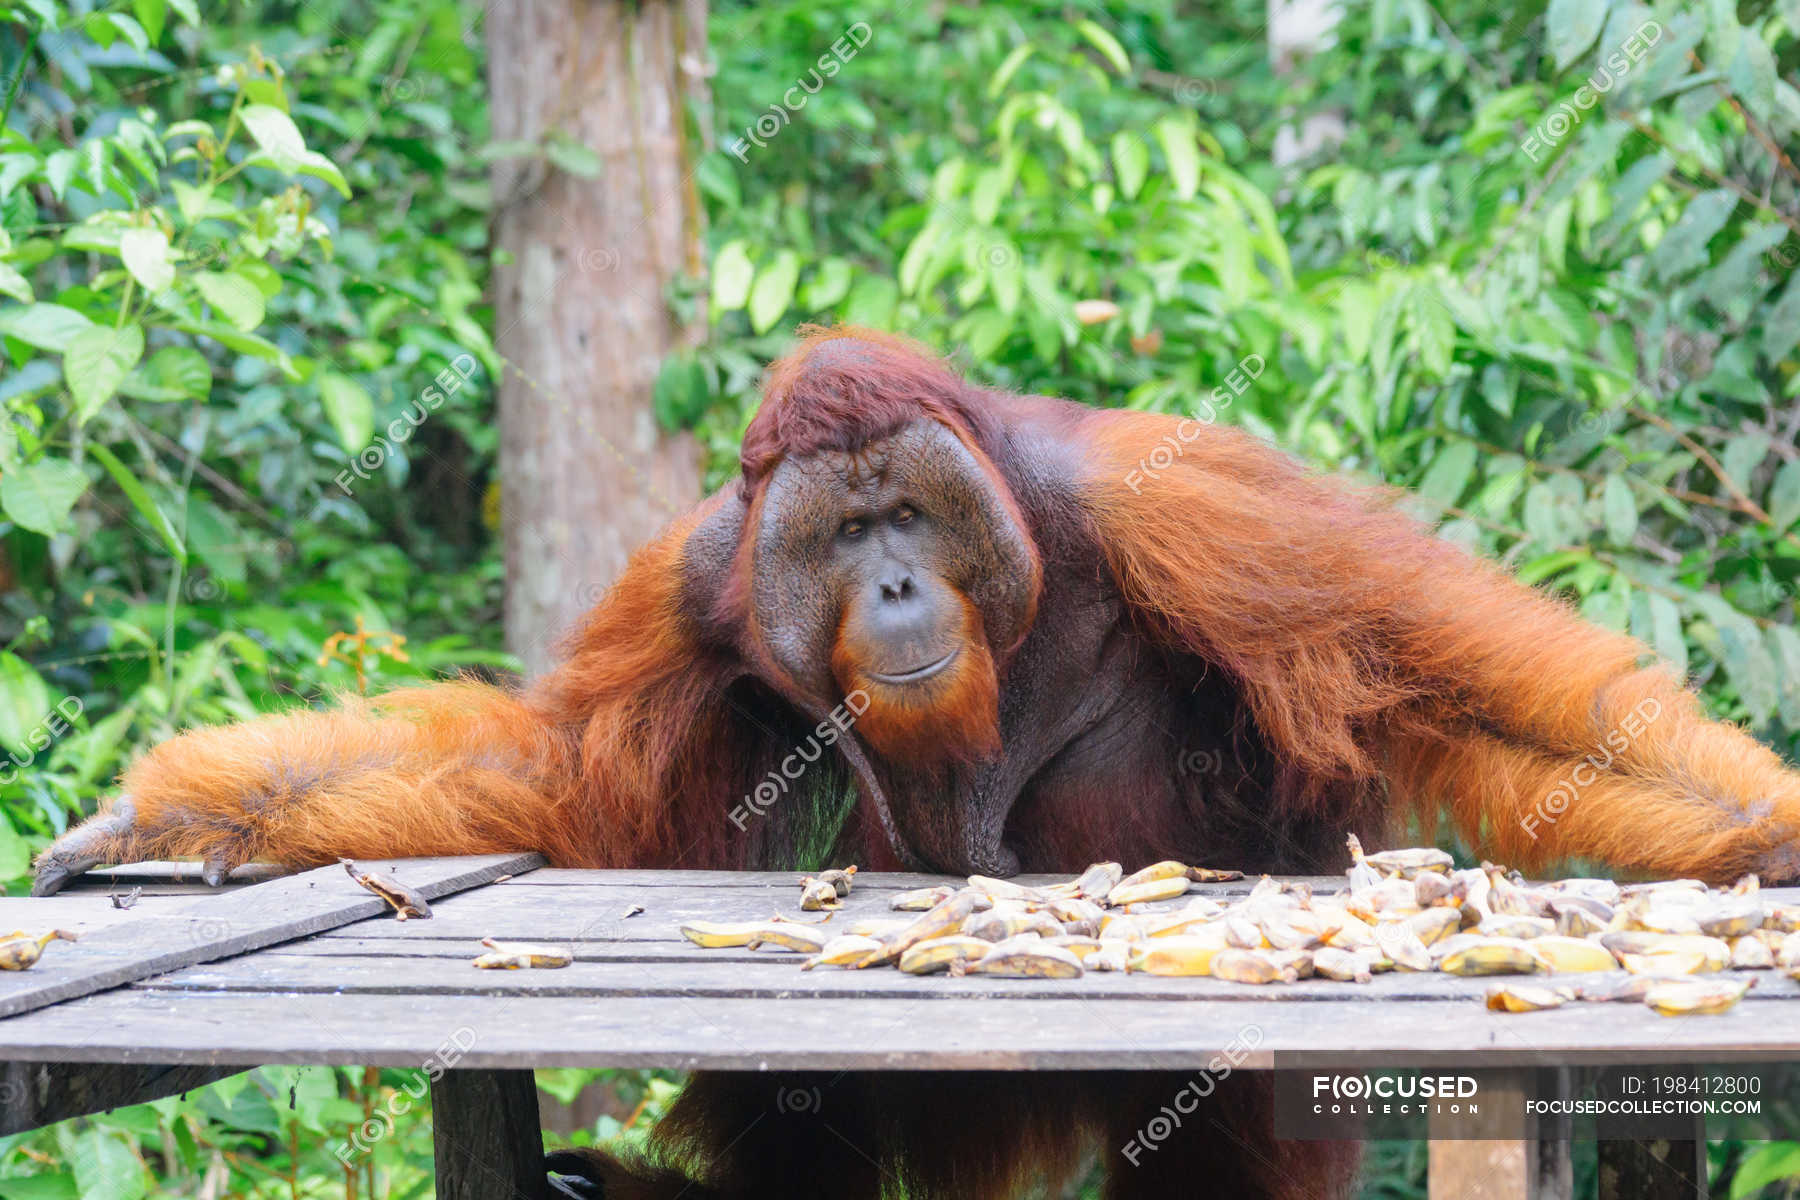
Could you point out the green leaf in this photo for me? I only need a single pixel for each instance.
(991, 187)
(1131, 162)
(773, 291)
(1008, 68)
(1571, 27)
(319, 167)
(1742, 455)
(140, 499)
(1449, 473)
(14, 284)
(105, 1167)
(96, 363)
(1106, 44)
(46, 326)
(1621, 511)
(1784, 496)
(265, 278)
(984, 331)
(828, 285)
(1665, 632)
(350, 409)
(148, 258)
(188, 10)
(25, 701)
(275, 133)
(39, 496)
(1752, 671)
(872, 302)
(151, 14)
(1752, 75)
(39, 1187)
(243, 343)
(1179, 146)
(732, 273)
(1784, 641)
(15, 851)
(235, 298)
(679, 397)
(1781, 325)
(173, 373)
(1683, 245)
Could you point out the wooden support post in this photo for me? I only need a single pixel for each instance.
(34, 1094)
(1507, 1168)
(485, 1136)
(1655, 1169)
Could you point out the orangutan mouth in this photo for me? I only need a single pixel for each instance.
(917, 674)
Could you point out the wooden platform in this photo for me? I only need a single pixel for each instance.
(310, 968)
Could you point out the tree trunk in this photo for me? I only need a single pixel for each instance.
(586, 476)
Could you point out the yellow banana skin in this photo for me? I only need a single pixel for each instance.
(716, 935)
(952, 954)
(1696, 997)
(546, 957)
(1493, 956)
(21, 951)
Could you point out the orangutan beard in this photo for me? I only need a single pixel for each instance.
(953, 716)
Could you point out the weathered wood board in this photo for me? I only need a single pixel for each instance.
(390, 993)
(162, 936)
(138, 1025)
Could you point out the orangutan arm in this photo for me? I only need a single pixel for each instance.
(600, 764)
(1365, 646)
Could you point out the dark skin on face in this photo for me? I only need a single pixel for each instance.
(894, 570)
(897, 573)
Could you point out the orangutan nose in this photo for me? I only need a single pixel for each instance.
(897, 586)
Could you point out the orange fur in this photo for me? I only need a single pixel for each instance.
(1368, 648)
(587, 767)
(954, 716)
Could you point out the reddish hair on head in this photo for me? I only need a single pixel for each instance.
(844, 386)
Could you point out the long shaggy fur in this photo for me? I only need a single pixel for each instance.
(1367, 648)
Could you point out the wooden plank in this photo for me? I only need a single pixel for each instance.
(624, 969)
(887, 881)
(37, 1094)
(173, 871)
(485, 1136)
(151, 1025)
(82, 913)
(1658, 1169)
(596, 912)
(212, 927)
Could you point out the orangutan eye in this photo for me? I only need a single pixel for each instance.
(904, 514)
(851, 529)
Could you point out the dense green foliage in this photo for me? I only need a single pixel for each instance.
(236, 244)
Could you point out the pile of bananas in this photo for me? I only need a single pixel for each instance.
(1402, 910)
